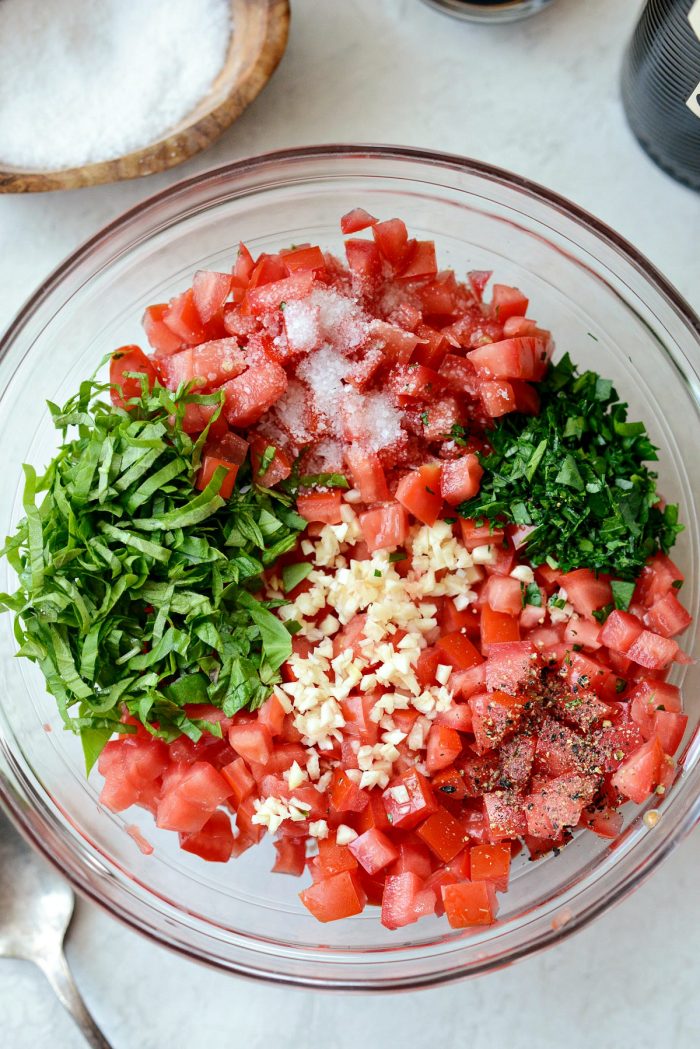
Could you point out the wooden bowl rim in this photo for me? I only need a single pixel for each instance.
(190, 137)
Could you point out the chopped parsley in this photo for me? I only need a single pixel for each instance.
(135, 590)
(575, 475)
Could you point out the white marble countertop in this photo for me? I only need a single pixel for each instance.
(540, 98)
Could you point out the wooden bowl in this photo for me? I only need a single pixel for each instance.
(257, 44)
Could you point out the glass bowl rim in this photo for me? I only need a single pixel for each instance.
(569, 210)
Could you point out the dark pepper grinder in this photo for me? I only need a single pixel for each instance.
(661, 86)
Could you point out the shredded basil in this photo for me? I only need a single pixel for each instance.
(136, 591)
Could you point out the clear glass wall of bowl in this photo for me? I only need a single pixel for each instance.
(608, 309)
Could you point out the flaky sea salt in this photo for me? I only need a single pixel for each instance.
(89, 80)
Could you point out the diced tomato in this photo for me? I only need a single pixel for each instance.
(428, 662)
(210, 464)
(270, 296)
(385, 528)
(667, 616)
(527, 399)
(585, 672)
(474, 534)
(495, 715)
(452, 619)
(620, 631)
(409, 800)
(210, 291)
(182, 318)
(339, 896)
(367, 474)
(498, 628)
(443, 834)
(373, 850)
(586, 592)
(214, 842)
(510, 665)
(252, 742)
(363, 258)
(334, 858)
(457, 650)
(268, 269)
(345, 794)
(520, 358)
(670, 728)
(509, 302)
(657, 578)
(238, 776)
(271, 715)
(159, 335)
(191, 798)
(652, 651)
(291, 856)
(249, 395)
(640, 774)
(398, 345)
(206, 366)
(419, 492)
(391, 237)
(356, 220)
(558, 804)
(497, 398)
(405, 900)
(124, 386)
(506, 816)
(490, 863)
(503, 594)
(457, 717)
(460, 479)
(444, 745)
(469, 903)
(321, 506)
(466, 683)
(243, 266)
(414, 857)
(419, 261)
(373, 816)
(603, 821)
(583, 632)
(309, 258)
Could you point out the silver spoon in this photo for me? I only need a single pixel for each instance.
(36, 906)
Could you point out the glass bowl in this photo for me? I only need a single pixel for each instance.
(606, 305)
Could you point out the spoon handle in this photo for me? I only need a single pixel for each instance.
(55, 968)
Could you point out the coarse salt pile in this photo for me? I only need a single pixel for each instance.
(327, 330)
(90, 80)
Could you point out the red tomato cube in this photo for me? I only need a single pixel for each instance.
(460, 479)
(252, 742)
(409, 800)
(443, 834)
(321, 506)
(419, 492)
(444, 745)
(490, 863)
(469, 903)
(339, 896)
(373, 850)
(214, 842)
(405, 900)
(509, 302)
(385, 528)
